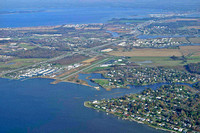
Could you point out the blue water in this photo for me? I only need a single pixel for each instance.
(61, 16)
(114, 34)
(11, 63)
(91, 76)
(136, 88)
(193, 44)
(36, 106)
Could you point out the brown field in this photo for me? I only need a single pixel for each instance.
(124, 31)
(196, 54)
(90, 60)
(193, 27)
(190, 50)
(195, 40)
(181, 19)
(70, 59)
(145, 52)
(1, 46)
(148, 52)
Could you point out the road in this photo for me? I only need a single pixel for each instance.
(134, 31)
(61, 57)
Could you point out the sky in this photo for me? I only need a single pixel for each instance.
(79, 3)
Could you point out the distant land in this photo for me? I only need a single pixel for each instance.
(58, 58)
(18, 12)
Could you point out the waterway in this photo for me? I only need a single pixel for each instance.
(137, 89)
(114, 34)
(190, 44)
(73, 15)
(36, 106)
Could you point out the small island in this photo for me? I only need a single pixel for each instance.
(174, 108)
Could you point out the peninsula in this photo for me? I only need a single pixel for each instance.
(174, 108)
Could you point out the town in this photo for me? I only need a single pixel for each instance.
(171, 107)
(122, 75)
(127, 52)
(64, 45)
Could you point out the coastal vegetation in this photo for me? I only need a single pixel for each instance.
(152, 39)
(121, 76)
(171, 107)
(142, 50)
(197, 85)
(193, 67)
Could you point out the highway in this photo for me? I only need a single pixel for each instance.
(61, 57)
(134, 31)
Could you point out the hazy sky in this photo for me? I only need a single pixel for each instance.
(130, 3)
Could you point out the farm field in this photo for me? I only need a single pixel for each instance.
(88, 61)
(190, 50)
(148, 52)
(161, 57)
(145, 52)
(195, 39)
(16, 63)
(164, 61)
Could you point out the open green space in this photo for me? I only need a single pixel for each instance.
(16, 63)
(28, 60)
(193, 59)
(23, 45)
(165, 61)
(96, 69)
(101, 82)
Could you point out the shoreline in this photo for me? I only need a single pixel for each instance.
(178, 83)
(82, 82)
(44, 27)
(140, 122)
(38, 27)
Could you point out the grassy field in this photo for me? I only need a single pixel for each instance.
(95, 69)
(102, 82)
(190, 50)
(165, 61)
(195, 40)
(27, 46)
(193, 59)
(16, 63)
(161, 57)
(193, 27)
(145, 52)
(148, 52)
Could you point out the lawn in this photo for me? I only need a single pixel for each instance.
(101, 82)
(96, 69)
